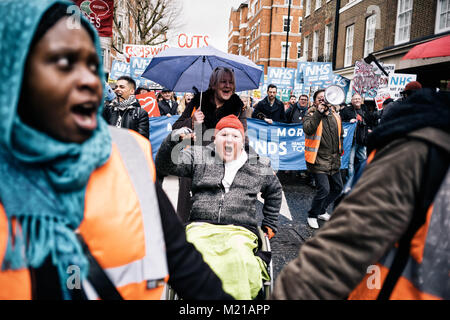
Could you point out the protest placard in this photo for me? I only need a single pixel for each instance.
(148, 103)
(397, 83)
(365, 80)
(118, 69)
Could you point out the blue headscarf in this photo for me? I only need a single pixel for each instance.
(42, 180)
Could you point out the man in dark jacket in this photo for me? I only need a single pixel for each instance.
(270, 109)
(297, 111)
(356, 112)
(167, 106)
(323, 161)
(375, 216)
(126, 112)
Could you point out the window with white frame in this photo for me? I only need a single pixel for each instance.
(283, 50)
(327, 43)
(300, 22)
(349, 45)
(299, 50)
(442, 16)
(370, 34)
(403, 28)
(318, 4)
(308, 8)
(305, 47)
(287, 24)
(315, 52)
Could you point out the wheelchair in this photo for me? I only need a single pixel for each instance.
(266, 290)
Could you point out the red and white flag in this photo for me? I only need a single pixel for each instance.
(148, 103)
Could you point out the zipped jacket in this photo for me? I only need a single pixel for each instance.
(209, 201)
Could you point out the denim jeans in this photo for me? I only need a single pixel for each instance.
(357, 152)
(328, 188)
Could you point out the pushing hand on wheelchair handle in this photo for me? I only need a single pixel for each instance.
(268, 231)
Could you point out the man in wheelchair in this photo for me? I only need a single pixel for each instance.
(223, 220)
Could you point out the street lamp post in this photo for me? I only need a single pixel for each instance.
(287, 34)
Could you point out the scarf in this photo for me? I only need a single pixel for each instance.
(42, 180)
(128, 103)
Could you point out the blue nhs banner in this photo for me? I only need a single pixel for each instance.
(118, 69)
(315, 73)
(284, 144)
(281, 77)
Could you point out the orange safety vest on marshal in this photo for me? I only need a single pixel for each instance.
(427, 272)
(312, 143)
(121, 225)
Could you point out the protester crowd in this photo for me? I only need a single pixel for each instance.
(78, 190)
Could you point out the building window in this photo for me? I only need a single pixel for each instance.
(315, 53)
(300, 22)
(327, 43)
(404, 13)
(371, 23)
(442, 16)
(318, 4)
(287, 24)
(308, 8)
(305, 47)
(349, 45)
(283, 50)
(299, 50)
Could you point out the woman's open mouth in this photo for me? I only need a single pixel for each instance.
(85, 115)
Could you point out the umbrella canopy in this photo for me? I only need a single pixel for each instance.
(435, 48)
(182, 69)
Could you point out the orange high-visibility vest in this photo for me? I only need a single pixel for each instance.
(312, 143)
(121, 225)
(427, 272)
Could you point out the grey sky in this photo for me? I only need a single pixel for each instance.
(208, 17)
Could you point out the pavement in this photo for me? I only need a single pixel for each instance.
(293, 229)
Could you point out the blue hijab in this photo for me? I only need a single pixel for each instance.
(42, 180)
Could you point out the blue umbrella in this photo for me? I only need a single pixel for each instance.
(183, 69)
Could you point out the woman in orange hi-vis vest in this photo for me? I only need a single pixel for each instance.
(80, 214)
(323, 149)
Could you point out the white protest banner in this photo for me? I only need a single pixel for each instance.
(380, 98)
(135, 50)
(397, 83)
(384, 80)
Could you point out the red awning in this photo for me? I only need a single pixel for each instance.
(435, 48)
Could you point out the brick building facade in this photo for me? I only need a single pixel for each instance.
(258, 30)
(318, 26)
(389, 29)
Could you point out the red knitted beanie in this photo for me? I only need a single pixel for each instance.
(230, 121)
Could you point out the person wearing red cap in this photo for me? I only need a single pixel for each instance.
(225, 183)
(410, 88)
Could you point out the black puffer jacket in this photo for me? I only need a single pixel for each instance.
(134, 118)
(212, 114)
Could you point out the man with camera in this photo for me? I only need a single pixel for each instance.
(323, 148)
